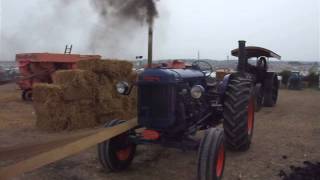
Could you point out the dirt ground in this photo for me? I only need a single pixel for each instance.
(285, 135)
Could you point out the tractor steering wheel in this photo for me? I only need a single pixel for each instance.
(203, 66)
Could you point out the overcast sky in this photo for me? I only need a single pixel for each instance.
(291, 28)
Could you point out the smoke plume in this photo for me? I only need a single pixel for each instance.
(120, 21)
(112, 28)
(139, 10)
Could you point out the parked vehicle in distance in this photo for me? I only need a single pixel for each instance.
(295, 81)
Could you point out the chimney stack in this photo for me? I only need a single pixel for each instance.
(150, 44)
(242, 62)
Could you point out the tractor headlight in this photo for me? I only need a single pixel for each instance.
(197, 91)
(122, 87)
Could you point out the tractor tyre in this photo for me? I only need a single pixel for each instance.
(270, 90)
(117, 153)
(211, 155)
(258, 98)
(239, 112)
(27, 95)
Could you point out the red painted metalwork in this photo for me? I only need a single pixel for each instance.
(220, 161)
(250, 116)
(38, 67)
(150, 134)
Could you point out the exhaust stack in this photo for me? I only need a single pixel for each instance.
(243, 61)
(150, 44)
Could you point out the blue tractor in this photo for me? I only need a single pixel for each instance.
(174, 104)
(295, 81)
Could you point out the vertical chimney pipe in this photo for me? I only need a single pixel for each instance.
(150, 44)
(242, 61)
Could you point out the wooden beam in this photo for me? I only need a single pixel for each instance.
(23, 151)
(64, 151)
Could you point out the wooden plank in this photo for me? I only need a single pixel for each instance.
(64, 151)
(28, 150)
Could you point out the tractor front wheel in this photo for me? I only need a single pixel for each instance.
(211, 157)
(117, 153)
(238, 112)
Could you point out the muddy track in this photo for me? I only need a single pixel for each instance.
(286, 135)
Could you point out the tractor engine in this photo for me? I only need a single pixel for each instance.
(171, 100)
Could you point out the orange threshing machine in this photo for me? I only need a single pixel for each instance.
(39, 67)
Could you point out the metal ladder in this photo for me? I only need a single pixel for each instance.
(68, 49)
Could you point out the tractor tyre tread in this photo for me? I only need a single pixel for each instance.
(104, 155)
(270, 88)
(207, 154)
(239, 91)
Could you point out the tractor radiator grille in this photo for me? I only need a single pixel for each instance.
(156, 105)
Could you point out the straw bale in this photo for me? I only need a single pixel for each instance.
(80, 115)
(133, 76)
(105, 88)
(111, 68)
(89, 65)
(85, 98)
(43, 92)
(60, 116)
(118, 106)
(76, 84)
(56, 114)
(115, 68)
(51, 116)
(48, 105)
(109, 100)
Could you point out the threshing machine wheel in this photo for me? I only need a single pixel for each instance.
(27, 95)
(117, 153)
(239, 112)
(270, 87)
(211, 157)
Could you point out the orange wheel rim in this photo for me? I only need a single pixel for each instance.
(220, 161)
(123, 154)
(250, 116)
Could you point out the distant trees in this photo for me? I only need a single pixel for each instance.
(312, 79)
(314, 68)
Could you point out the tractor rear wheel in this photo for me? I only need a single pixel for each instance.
(211, 155)
(117, 153)
(239, 112)
(270, 88)
(27, 95)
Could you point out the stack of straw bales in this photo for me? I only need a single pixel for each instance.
(86, 97)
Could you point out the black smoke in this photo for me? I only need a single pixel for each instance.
(120, 22)
(139, 10)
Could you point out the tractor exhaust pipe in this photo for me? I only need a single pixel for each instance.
(243, 61)
(150, 44)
